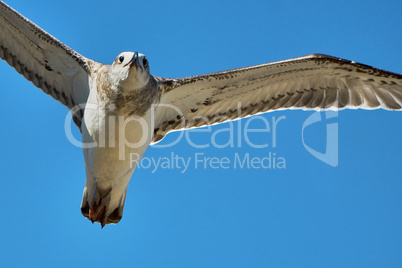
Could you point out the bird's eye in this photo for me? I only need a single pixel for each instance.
(121, 59)
(145, 62)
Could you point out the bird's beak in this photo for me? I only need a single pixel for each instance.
(133, 60)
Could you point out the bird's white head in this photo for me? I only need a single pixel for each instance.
(131, 70)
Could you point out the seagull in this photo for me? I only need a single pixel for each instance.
(121, 109)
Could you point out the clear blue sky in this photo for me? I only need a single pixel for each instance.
(309, 214)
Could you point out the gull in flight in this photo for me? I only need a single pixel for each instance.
(121, 108)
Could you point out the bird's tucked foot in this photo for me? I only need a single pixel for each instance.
(100, 207)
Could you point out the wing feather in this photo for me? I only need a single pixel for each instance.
(312, 82)
(50, 65)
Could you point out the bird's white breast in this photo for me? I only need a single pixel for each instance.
(111, 140)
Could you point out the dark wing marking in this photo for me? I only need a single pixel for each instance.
(50, 65)
(312, 82)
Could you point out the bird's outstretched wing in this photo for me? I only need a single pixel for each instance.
(312, 82)
(50, 65)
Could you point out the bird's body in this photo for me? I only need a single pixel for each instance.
(116, 125)
(121, 108)
(108, 166)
